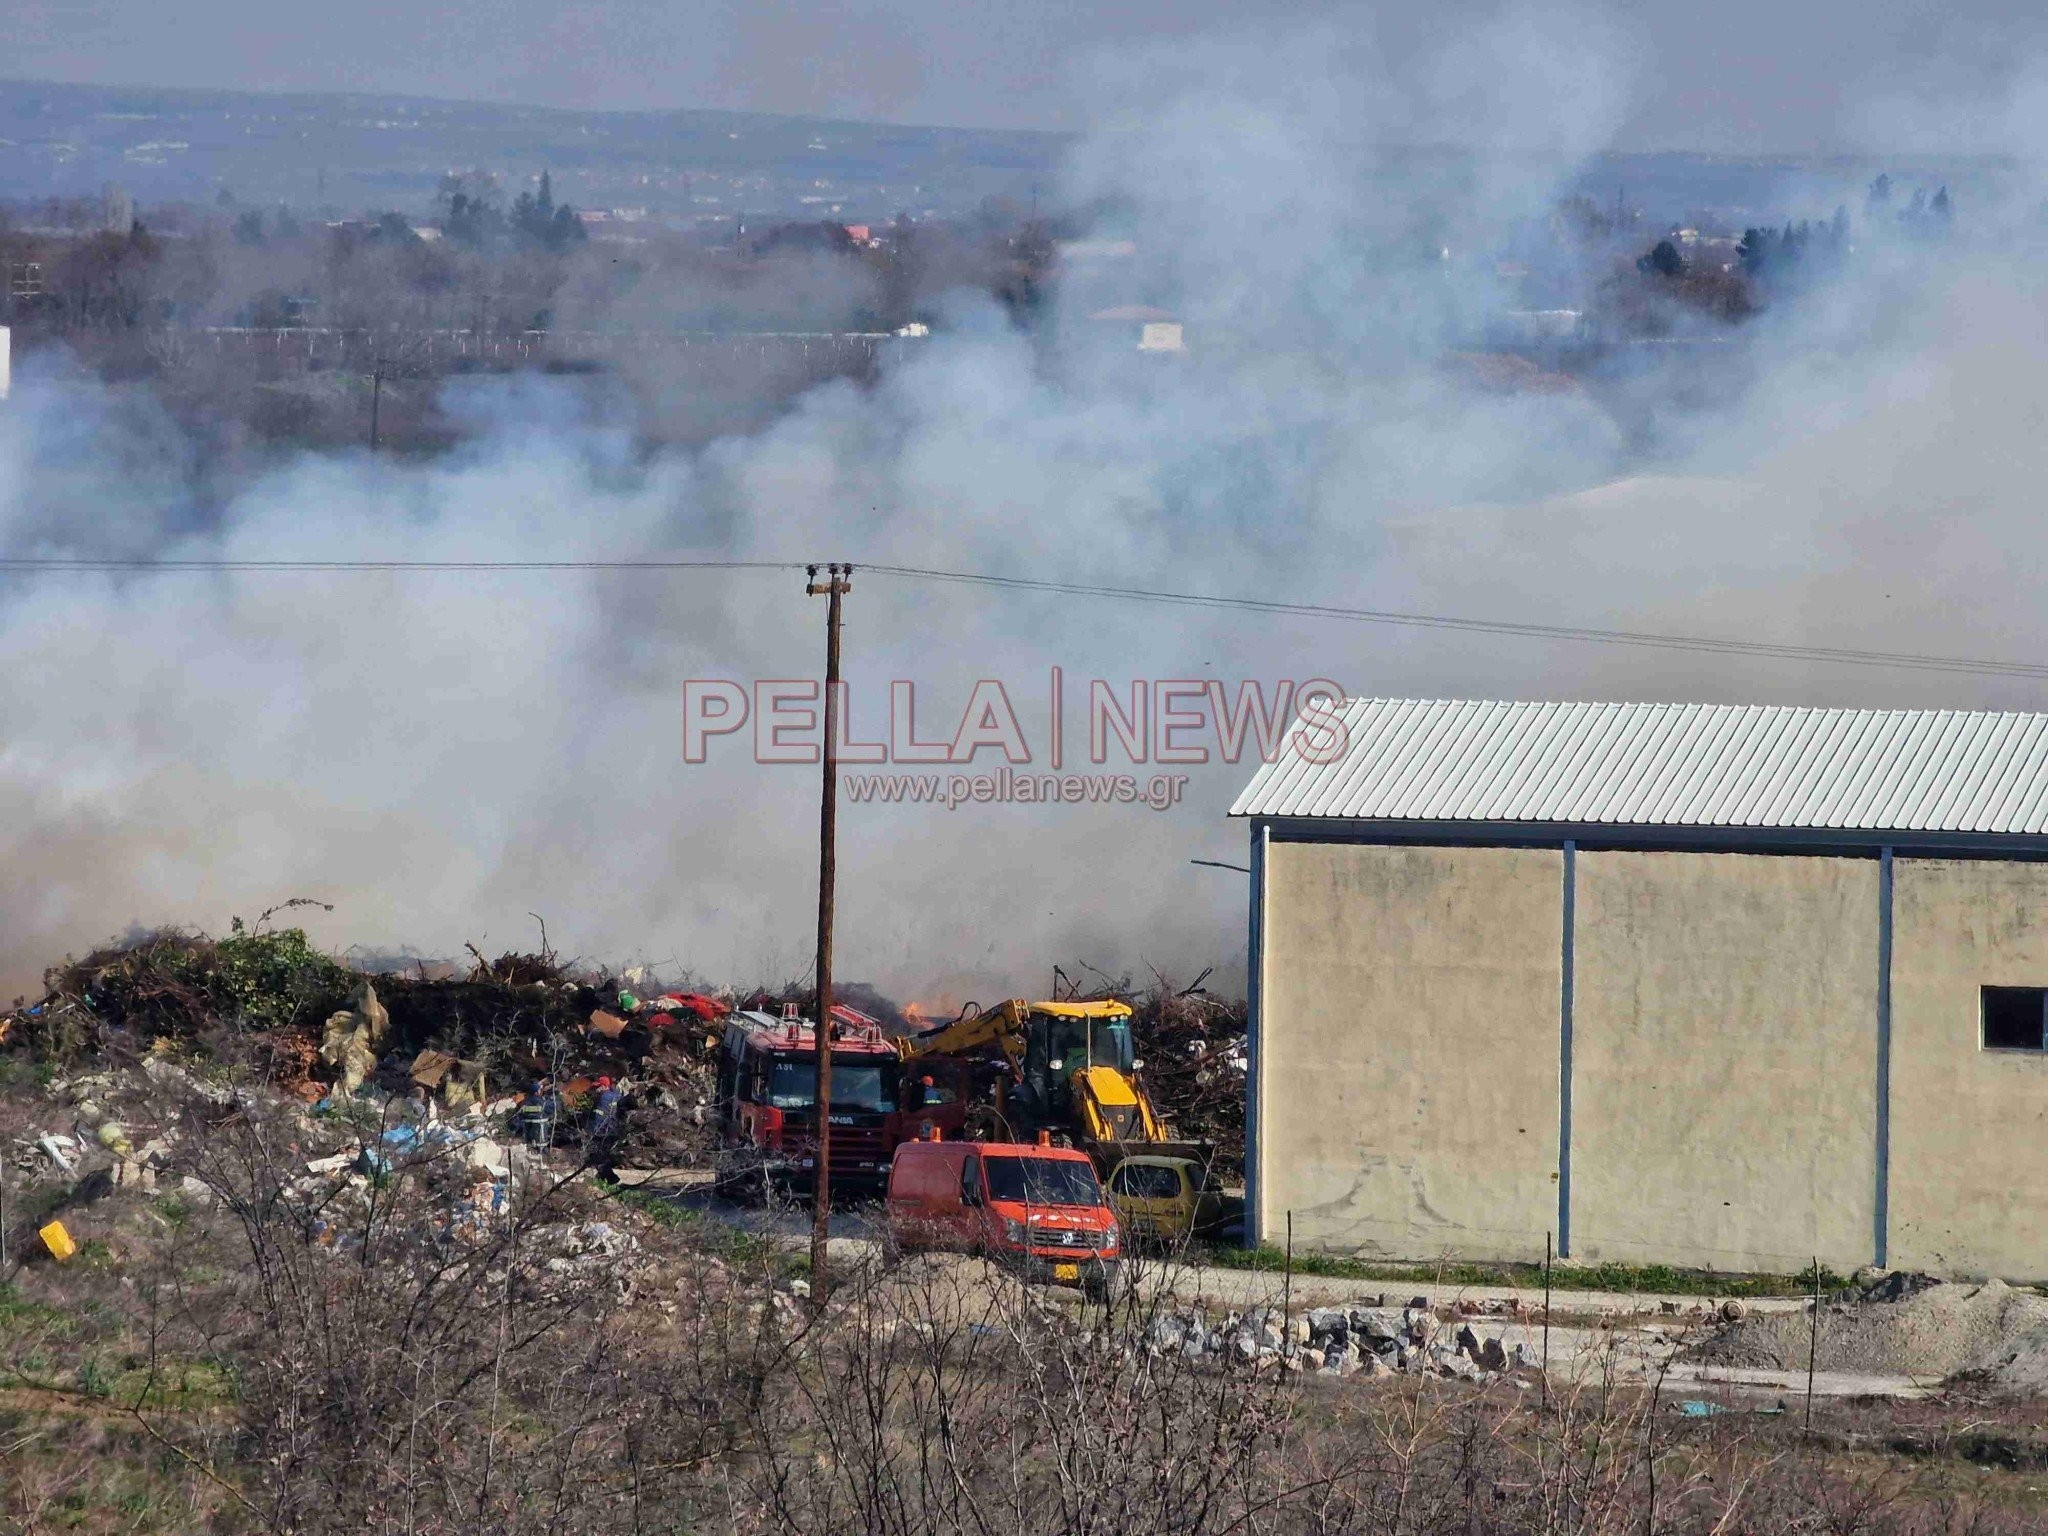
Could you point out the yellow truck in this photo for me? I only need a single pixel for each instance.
(1023, 1067)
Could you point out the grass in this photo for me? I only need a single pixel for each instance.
(1626, 1279)
(17, 1311)
(717, 1238)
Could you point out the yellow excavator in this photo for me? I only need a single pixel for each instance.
(1061, 1067)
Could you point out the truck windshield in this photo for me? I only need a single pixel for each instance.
(856, 1085)
(1078, 1043)
(1042, 1180)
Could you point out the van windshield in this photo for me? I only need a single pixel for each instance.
(1042, 1180)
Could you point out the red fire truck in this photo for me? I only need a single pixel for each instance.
(768, 1097)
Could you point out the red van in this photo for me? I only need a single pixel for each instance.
(1036, 1209)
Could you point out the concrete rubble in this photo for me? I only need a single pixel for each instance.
(1360, 1340)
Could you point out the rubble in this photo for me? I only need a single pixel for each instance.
(1370, 1341)
(1900, 1323)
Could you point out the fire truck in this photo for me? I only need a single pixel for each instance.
(768, 1098)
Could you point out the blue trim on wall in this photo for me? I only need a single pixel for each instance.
(1564, 1053)
(1255, 966)
(1882, 1243)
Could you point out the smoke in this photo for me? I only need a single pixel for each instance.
(440, 754)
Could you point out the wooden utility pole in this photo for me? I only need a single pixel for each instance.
(376, 399)
(836, 585)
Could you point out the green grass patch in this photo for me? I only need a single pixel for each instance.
(17, 1311)
(1625, 1279)
(717, 1238)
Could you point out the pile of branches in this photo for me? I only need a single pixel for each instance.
(513, 1013)
(262, 998)
(174, 984)
(1193, 1043)
(1193, 1046)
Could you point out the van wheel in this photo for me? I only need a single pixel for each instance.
(1101, 1283)
(892, 1250)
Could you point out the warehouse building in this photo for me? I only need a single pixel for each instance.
(1714, 986)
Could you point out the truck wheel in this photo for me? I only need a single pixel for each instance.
(1101, 1283)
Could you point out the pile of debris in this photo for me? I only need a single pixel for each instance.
(1902, 1324)
(330, 1170)
(314, 1028)
(1195, 1054)
(1367, 1340)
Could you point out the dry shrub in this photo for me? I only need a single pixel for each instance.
(368, 1359)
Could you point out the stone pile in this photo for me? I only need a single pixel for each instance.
(1340, 1341)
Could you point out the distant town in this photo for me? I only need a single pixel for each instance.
(310, 322)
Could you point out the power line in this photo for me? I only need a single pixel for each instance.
(29, 565)
(1917, 661)
(1913, 660)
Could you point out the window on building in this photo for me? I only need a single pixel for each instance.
(2016, 1018)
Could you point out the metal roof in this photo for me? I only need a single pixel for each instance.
(1670, 765)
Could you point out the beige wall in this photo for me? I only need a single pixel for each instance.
(1725, 1060)
(1408, 1049)
(1969, 1180)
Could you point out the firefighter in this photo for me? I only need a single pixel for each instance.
(536, 1117)
(607, 1125)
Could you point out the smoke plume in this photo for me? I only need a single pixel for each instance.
(439, 754)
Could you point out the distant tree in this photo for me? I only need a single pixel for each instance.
(1663, 259)
(285, 223)
(539, 220)
(1755, 249)
(1880, 194)
(1838, 231)
(1940, 206)
(394, 229)
(816, 236)
(468, 209)
(249, 227)
(470, 221)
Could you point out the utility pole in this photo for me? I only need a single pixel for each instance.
(836, 585)
(376, 398)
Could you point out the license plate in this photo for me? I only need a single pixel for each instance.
(1066, 1271)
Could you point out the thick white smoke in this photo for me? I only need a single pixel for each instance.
(439, 754)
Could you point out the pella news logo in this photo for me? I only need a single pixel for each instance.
(1177, 722)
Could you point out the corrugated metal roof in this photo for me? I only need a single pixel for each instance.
(1672, 765)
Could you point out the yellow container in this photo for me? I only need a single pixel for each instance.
(57, 1240)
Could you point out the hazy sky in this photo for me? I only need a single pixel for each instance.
(1739, 75)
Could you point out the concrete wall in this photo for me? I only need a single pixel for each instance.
(1408, 1049)
(1725, 1060)
(1969, 1164)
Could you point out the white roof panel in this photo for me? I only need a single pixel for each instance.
(1670, 765)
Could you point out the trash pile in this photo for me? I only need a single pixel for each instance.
(314, 1028)
(331, 1170)
(1195, 1054)
(1368, 1340)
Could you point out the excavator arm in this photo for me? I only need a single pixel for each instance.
(999, 1029)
